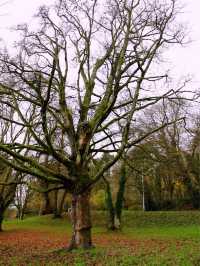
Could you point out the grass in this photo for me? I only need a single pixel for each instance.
(42, 223)
(151, 238)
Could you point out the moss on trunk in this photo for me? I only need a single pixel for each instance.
(81, 221)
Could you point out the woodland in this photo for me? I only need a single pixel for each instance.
(93, 129)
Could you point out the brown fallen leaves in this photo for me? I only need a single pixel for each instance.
(26, 247)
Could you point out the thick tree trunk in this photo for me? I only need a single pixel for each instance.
(81, 221)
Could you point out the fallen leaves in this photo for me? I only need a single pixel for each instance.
(30, 247)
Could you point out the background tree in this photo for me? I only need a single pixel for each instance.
(8, 183)
(23, 195)
(190, 163)
(53, 196)
(115, 203)
(9, 178)
(82, 76)
(165, 159)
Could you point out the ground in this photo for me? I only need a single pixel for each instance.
(160, 238)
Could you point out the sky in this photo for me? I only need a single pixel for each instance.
(183, 61)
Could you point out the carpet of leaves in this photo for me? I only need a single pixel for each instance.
(31, 247)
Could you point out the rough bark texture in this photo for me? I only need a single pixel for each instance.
(81, 220)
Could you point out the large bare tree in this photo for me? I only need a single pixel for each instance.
(78, 83)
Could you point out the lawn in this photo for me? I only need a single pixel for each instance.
(151, 238)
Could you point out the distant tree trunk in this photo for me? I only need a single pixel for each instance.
(110, 207)
(21, 217)
(59, 202)
(1, 219)
(55, 205)
(19, 213)
(46, 207)
(59, 206)
(81, 221)
(22, 212)
(120, 197)
(115, 212)
(21, 209)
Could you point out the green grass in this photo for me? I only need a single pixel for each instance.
(43, 223)
(144, 225)
(151, 238)
(148, 219)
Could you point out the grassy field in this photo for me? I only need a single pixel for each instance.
(151, 238)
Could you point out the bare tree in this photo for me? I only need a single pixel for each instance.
(8, 177)
(163, 157)
(83, 76)
(23, 195)
(7, 190)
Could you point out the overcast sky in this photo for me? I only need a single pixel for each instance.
(183, 60)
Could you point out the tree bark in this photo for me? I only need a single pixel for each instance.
(1, 221)
(114, 212)
(81, 221)
(110, 208)
(55, 207)
(59, 207)
(46, 206)
(120, 197)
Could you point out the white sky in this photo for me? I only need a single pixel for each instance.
(184, 61)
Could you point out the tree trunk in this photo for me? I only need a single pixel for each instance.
(22, 212)
(81, 221)
(1, 221)
(55, 207)
(115, 212)
(46, 205)
(120, 197)
(60, 204)
(110, 207)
